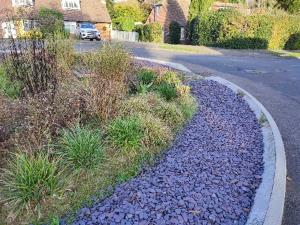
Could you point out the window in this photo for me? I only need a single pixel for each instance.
(182, 33)
(157, 9)
(29, 24)
(9, 30)
(71, 4)
(22, 2)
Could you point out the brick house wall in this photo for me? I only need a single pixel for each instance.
(168, 11)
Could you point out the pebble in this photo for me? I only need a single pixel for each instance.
(208, 176)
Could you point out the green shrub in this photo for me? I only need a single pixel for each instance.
(9, 88)
(51, 21)
(166, 90)
(150, 32)
(126, 133)
(174, 32)
(293, 42)
(124, 23)
(194, 34)
(29, 181)
(81, 147)
(231, 29)
(132, 11)
(146, 76)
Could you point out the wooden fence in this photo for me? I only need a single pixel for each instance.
(125, 36)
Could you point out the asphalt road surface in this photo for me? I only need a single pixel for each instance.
(273, 80)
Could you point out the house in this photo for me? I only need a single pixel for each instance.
(171, 10)
(166, 11)
(74, 12)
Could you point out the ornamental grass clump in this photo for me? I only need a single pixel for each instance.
(146, 76)
(166, 90)
(156, 133)
(110, 67)
(126, 133)
(29, 181)
(81, 147)
(152, 103)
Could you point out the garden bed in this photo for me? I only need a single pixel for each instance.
(122, 142)
(208, 176)
(66, 141)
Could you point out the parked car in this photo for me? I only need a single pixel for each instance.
(88, 30)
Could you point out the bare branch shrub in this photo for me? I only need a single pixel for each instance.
(110, 67)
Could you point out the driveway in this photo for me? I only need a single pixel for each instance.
(273, 80)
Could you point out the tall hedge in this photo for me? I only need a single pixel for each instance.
(231, 29)
(151, 32)
(174, 32)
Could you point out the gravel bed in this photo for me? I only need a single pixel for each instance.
(208, 176)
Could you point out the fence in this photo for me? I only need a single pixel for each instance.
(125, 36)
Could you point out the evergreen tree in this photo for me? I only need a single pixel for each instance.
(198, 6)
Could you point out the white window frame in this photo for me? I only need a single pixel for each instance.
(22, 2)
(182, 33)
(70, 4)
(9, 30)
(29, 25)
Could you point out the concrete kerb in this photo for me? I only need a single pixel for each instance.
(269, 199)
(176, 66)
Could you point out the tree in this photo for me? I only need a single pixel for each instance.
(292, 6)
(197, 7)
(174, 32)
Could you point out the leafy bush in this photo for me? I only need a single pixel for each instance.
(124, 23)
(126, 133)
(131, 11)
(150, 32)
(81, 146)
(51, 21)
(230, 29)
(292, 6)
(111, 66)
(174, 32)
(8, 87)
(31, 180)
(167, 91)
(293, 42)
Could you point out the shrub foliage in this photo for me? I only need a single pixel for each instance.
(230, 29)
(150, 32)
(174, 32)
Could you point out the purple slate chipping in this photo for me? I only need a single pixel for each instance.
(208, 176)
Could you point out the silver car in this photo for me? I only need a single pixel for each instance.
(88, 30)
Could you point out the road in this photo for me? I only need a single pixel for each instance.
(273, 80)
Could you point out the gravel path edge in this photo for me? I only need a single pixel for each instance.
(269, 199)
